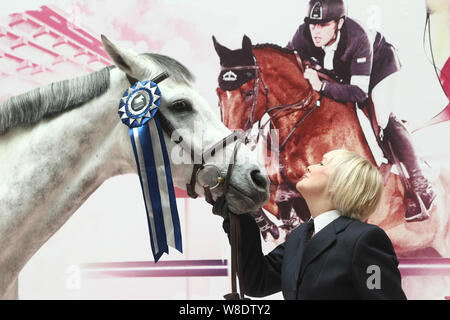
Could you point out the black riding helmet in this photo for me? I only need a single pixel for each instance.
(321, 11)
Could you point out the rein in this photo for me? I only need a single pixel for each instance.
(236, 267)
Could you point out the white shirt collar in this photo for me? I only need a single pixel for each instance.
(323, 219)
(334, 45)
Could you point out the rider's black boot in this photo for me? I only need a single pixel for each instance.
(421, 194)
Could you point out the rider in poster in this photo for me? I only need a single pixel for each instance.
(365, 65)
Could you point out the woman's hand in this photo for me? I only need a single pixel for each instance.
(313, 79)
(220, 208)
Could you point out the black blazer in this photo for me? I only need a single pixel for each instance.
(347, 259)
(356, 54)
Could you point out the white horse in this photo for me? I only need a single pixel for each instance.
(59, 143)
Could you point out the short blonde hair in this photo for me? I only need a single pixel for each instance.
(355, 184)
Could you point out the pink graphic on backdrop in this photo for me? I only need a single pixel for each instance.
(69, 34)
(444, 115)
(41, 46)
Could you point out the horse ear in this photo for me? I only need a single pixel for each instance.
(220, 49)
(246, 43)
(127, 60)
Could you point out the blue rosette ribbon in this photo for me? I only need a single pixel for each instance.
(138, 110)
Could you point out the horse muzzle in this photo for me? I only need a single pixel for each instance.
(248, 189)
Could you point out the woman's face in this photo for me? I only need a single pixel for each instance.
(315, 180)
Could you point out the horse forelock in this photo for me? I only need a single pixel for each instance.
(31, 107)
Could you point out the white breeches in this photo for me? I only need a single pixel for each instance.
(386, 98)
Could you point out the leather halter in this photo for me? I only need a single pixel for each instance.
(170, 129)
(306, 104)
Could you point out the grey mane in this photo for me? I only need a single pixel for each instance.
(30, 107)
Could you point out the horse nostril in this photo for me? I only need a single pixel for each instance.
(258, 179)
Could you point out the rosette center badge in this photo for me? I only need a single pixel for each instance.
(139, 103)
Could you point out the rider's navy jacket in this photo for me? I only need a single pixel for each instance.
(347, 259)
(359, 53)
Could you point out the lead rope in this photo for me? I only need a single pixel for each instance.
(236, 242)
(236, 259)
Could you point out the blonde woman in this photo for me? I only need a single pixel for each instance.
(335, 255)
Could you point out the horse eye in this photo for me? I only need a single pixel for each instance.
(249, 93)
(181, 105)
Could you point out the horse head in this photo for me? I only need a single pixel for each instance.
(194, 121)
(237, 85)
(243, 91)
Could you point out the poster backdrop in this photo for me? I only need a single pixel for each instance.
(103, 250)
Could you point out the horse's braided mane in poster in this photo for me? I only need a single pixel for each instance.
(273, 46)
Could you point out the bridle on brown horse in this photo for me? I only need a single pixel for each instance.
(220, 181)
(308, 104)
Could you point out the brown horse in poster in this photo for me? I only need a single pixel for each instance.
(309, 126)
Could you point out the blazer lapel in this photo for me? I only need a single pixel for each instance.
(299, 253)
(321, 241)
